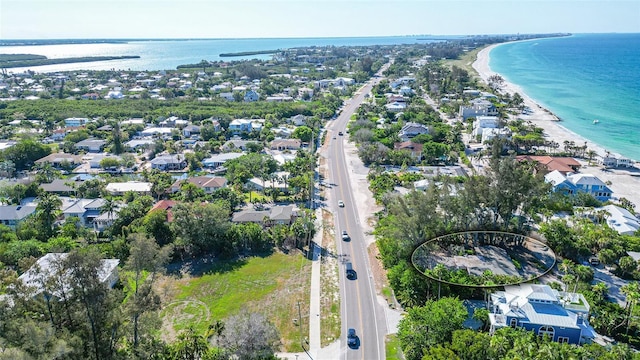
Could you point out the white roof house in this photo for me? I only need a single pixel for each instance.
(124, 187)
(484, 122)
(490, 134)
(45, 268)
(622, 220)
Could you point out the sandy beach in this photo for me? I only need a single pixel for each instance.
(623, 183)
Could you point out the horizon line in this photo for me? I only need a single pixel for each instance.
(295, 37)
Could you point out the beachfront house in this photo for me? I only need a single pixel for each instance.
(479, 107)
(561, 316)
(571, 184)
(485, 122)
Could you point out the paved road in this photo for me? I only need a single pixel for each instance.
(359, 307)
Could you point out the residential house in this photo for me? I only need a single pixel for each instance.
(85, 209)
(561, 316)
(12, 215)
(251, 96)
(207, 183)
(282, 132)
(484, 122)
(285, 144)
(59, 186)
(396, 106)
(169, 162)
(236, 144)
(612, 161)
(572, 183)
(414, 148)
(90, 96)
(237, 126)
(305, 92)
(276, 215)
(139, 144)
(91, 145)
(132, 121)
(490, 134)
(75, 122)
(60, 160)
(173, 122)
(104, 220)
(227, 96)
(405, 91)
(278, 182)
(279, 98)
(621, 219)
(47, 267)
(121, 188)
(298, 120)
(153, 131)
(214, 122)
(218, 160)
(478, 108)
(411, 130)
(95, 160)
(343, 81)
(564, 165)
(191, 130)
(165, 205)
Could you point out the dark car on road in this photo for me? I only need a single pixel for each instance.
(351, 274)
(352, 338)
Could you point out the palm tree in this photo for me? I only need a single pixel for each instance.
(632, 294)
(47, 212)
(590, 155)
(109, 207)
(600, 290)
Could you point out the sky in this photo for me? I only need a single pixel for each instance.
(67, 19)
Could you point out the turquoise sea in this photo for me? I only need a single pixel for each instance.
(582, 78)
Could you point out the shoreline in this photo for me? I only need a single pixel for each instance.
(621, 182)
(540, 116)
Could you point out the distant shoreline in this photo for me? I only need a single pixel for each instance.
(249, 53)
(42, 42)
(43, 62)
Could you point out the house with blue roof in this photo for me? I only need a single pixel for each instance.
(561, 316)
(573, 183)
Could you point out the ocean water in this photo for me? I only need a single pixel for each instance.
(168, 54)
(582, 78)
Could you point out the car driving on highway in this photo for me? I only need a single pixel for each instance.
(352, 338)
